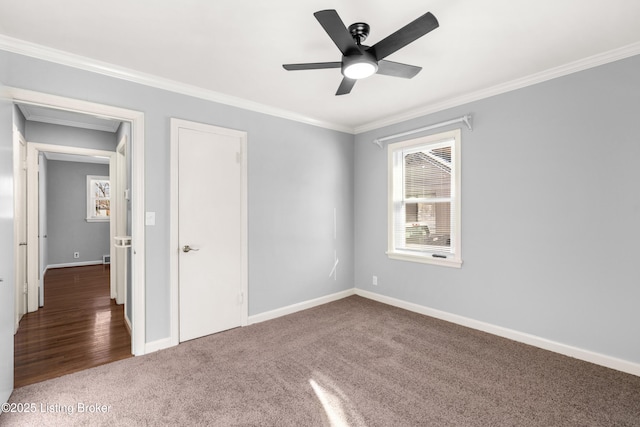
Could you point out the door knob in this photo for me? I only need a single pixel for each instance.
(187, 248)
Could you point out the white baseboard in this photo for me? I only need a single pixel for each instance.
(290, 309)
(163, 343)
(567, 350)
(73, 264)
(160, 344)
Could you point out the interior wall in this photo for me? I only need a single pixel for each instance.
(7, 285)
(68, 136)
(297, 175)
(19, 125)
(67, 228)
(549, 220)
(550, 209)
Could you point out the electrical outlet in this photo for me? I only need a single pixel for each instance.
(374, 282)
(76, 254)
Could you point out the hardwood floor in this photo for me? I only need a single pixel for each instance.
(79, 327)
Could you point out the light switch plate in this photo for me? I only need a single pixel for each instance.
(150, 218)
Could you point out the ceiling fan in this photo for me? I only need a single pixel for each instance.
(360, 61)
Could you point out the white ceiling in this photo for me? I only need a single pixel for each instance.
(236, 48)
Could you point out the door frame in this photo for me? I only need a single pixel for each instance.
(20, 214)
(174, 263)
(34, 150)
(42, 228)
(136, 118)
(121, 219)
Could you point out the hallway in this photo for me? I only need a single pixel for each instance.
(79, 327)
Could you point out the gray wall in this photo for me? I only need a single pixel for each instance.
(67, 228)
(297, 175)
(7, 294)
(550, 214)
(550, 204)
(46, 133)
(68, 231)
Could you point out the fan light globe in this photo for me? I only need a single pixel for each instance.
(359, 70)
(359, 66)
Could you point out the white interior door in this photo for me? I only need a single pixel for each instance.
(121, 222)
(211, 230)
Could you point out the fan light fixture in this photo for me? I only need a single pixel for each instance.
(360, 61)
(360, 70)
(359, 66)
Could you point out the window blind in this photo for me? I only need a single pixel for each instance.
(423, 217)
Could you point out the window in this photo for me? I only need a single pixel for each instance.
(424, 199)
(98, 198)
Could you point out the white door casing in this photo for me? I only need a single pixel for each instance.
(33, 210)
(136, 118)
(42, 241)
(20, 218)
(208, 215)
(121, 221)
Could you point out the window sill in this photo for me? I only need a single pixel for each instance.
(424, 259)
(97, 219)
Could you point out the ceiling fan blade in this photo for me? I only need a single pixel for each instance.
(312, 66)
(405, 35)
(346, 86)
(396, 69)
(333, 25)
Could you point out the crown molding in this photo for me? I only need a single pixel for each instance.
(552, 73)
(76, 61)
(37, 51)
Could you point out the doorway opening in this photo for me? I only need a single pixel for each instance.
(132, 295)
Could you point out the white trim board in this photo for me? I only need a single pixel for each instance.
(290, 309)
(168, 342)
(543, 76)
(33, 50)
(157, 345)
(543, 343)
(34, 150)
(136, 118)
(73, 264)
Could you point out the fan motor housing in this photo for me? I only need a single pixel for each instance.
(359, 31)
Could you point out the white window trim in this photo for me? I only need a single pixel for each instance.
(90, 207)
(456, 259)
